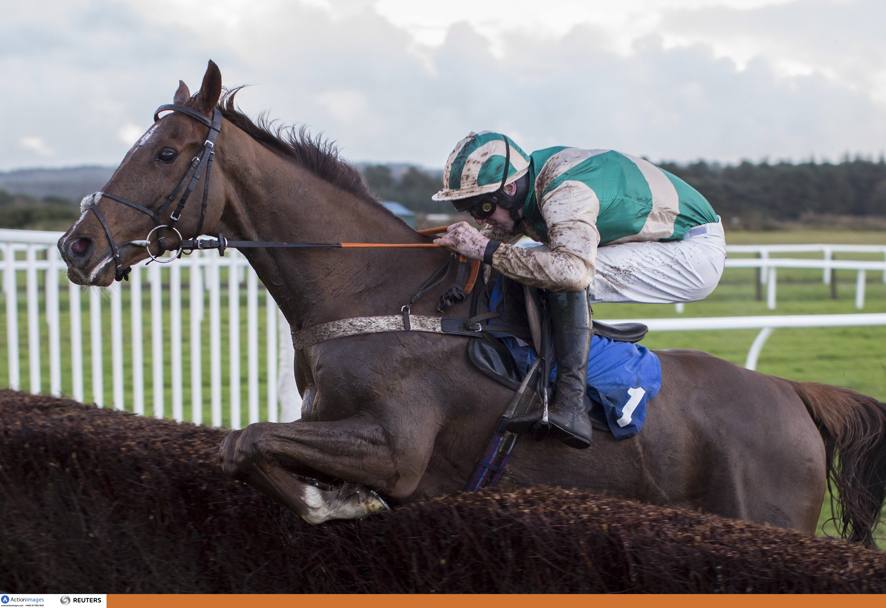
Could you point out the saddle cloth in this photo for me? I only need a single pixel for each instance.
(622, 377)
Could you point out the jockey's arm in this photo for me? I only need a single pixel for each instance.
(567, 264)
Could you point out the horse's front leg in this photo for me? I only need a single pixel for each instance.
(270, 457)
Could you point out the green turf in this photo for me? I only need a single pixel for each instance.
(782, 237)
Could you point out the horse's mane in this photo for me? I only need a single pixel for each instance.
(314, 153)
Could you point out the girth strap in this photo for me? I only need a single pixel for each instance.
(356, 326)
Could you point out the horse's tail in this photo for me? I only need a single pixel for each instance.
(853, 427)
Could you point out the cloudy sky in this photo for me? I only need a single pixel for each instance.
(400, 80)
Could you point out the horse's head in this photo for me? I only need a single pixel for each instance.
(164, 189)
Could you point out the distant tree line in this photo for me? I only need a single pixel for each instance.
(758, 195)
(30, 213)
(413, 187)
(750, 195)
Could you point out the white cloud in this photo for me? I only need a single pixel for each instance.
(839, 38)
(129, 133)
(35, 145)
(344, 105)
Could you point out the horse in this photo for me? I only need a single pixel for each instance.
(399, 415)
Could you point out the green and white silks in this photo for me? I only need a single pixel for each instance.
(616, 225)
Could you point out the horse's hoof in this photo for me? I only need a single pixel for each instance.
(375, 503)
(347, 501)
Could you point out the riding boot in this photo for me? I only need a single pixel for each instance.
(568, 418)
(570, 322)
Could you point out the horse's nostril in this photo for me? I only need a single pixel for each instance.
(80, 246)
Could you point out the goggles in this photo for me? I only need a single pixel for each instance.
(479, 210)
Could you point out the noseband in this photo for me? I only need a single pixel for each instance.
(200, 164)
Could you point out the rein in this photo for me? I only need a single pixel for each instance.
(220, 242)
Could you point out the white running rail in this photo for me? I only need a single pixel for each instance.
(171, 348)
(766, 324)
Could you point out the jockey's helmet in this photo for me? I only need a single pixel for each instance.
(477, 166)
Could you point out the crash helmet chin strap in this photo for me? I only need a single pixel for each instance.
(512, 203)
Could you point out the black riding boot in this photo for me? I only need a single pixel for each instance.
(568, 419)
(571, 325)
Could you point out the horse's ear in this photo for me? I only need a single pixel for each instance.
(182, 95)
(210, 90)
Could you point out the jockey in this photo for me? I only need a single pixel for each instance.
(616, 228)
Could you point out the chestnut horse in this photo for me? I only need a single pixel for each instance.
(403, 414)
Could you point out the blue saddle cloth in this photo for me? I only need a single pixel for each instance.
(622, 378)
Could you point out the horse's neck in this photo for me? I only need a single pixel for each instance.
(274, 199)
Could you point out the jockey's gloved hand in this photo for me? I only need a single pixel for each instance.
(463, 238)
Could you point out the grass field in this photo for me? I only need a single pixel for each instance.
(785, 237)
(851, 357)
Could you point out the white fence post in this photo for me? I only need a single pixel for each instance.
(215, 376)
(138, 361)
(175, 340)
(157, 338)
(196, 344)
(53, 323)
(234, 345)
(252, 350)
(77, 389)
(117, 346)
(860, 282)
(33, 319)
(11, 291)
(771, 286)
(95, 335)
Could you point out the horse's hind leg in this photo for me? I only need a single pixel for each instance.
(275, 456)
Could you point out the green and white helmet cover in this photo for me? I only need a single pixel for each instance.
(476, 166)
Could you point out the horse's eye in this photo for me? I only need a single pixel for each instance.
(167, 155)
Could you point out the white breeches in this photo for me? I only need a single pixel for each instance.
(661, 272)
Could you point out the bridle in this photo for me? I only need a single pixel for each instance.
(200, 164)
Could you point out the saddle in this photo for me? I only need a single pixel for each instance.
(518, 314)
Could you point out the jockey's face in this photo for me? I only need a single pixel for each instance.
(501, 220)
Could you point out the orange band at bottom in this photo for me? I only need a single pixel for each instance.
(493, 601)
